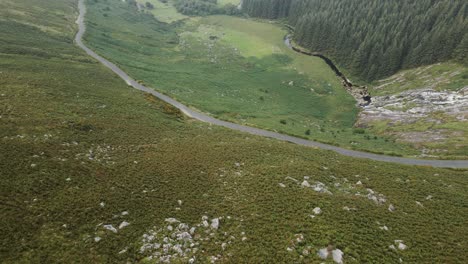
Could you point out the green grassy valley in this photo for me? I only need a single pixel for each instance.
(235, 69)
(94, 171)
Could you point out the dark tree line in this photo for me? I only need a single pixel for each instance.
(375, 38)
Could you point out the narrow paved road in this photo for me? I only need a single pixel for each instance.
(255, 131)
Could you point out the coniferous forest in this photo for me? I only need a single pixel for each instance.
(374, 38)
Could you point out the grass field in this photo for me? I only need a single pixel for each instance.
(211, 64)
(164, 12)
(80, 151)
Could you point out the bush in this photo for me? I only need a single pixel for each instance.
(359, 131)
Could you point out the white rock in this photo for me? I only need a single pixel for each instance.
(192, 230)
(124, 224)
(384, 228)
(282, 185)
(172, 220)
(401, 246)
(391, 208)
(392, 247)
(124, 213)
(419, 204)
(183, 226)
(215, 223)
(289, 249)
(429, 197)
(110, 228)
(337, 256)
(205, 223)
(323, 253)
(68, 179)
(305, 184)
(179, 202)
(317, 210)
(185, 236)
(359, 183)
(170, 228)
(33, 165)
(97, 239)
(102, 204)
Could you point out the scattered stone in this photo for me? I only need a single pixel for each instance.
(179, 202)
(292, 179)
(110, 228)
(123, 251)
(33, 165)
(124, 213)
(215, 223)
(172, 220)
(97, 239)
(124, 224)
(317, 210)
(419, 204)
(323, 253)
(102, 204)
(68, 179)
(321, 188)
(385, 228)
(282, 185)
(359, 183)
(401, 246)
(391, 208)
(429, 197)
(305, 184)
(337, 256)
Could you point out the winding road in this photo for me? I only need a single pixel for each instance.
(255, 131)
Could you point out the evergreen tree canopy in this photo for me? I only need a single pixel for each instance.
(374, 38)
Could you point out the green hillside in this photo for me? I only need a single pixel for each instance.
(91, 169)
